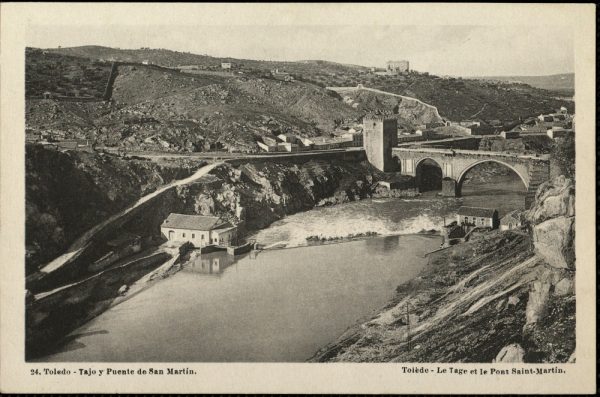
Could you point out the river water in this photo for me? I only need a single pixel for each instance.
(284, 304)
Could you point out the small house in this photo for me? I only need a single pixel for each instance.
(558, 132)
(510, 134)
(267, 148)
(290, 138)
(483, 130)
(288, 147)
(305, 143)
(355, 137)
(477, 216)
(511, 221)
(199, 230)
(269, 141)
(226, 65)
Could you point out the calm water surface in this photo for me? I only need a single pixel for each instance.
(282, 306)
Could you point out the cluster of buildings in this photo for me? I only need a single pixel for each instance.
(293, 143)
(555, 125)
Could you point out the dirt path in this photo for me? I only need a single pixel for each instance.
(77, 247)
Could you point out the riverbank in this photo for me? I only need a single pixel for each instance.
(501, 297)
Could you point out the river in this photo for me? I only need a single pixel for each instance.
(284, 304)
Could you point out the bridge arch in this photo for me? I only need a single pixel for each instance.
(419, 161)
(428, 174)
(461, 177)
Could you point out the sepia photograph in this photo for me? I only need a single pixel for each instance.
(300, 193)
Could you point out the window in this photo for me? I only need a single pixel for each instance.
(202, 236)
(193, 235)
(182, 234)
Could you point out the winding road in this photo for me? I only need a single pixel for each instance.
(78, 246)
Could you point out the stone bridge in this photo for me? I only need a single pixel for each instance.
(455, 163)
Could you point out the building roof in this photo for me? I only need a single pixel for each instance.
(192, 222)
(476, 211)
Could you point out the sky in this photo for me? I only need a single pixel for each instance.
(456, 50)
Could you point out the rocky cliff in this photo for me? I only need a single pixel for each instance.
(553, 222)
(502, 297)
(255, 194)
(69, 192)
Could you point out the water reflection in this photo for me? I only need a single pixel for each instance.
(214, 263)
(380, 245)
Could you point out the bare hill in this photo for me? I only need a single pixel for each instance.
(156, 106)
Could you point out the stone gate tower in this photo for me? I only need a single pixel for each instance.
(380, 136)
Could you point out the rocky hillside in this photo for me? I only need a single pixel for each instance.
(409, 112)
(154, 108)
(501, 297)
(69, 192)
(63, 75)
(456, 98)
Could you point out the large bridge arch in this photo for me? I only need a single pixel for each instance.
(461, 177)
(429, 173)
(420, 160)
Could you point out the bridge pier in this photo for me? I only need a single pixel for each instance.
(449, 188)
(539, 172)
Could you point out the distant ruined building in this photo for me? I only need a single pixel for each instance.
(397, 67)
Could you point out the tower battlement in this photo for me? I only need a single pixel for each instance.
(378, 117)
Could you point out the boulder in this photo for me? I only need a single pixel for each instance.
(513, 353)
(552, 218)
(554, 242)
(564, 287)
(554, 198)
(123, 289)
(537, 304)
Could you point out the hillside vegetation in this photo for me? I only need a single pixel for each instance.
(560, 83)
(63, 75)
(156, 108)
